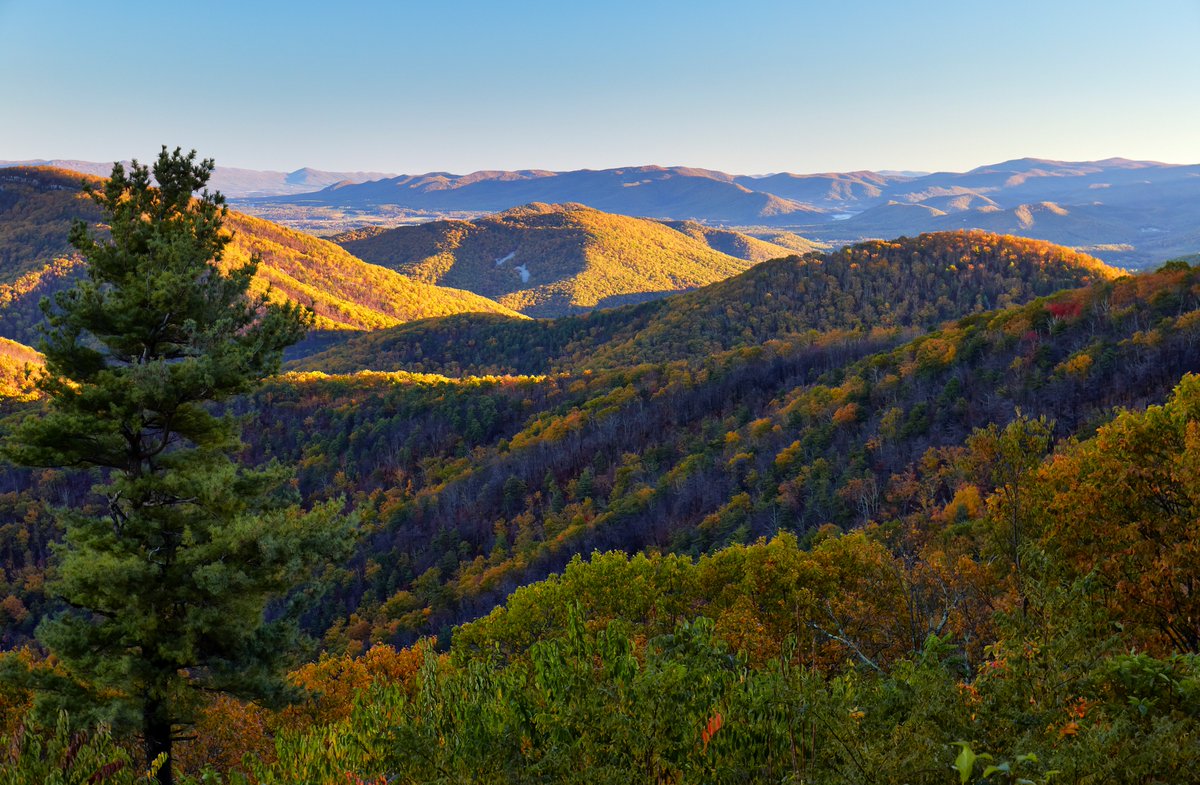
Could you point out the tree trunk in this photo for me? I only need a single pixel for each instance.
(156, 732)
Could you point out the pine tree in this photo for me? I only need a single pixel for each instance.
(167, 580)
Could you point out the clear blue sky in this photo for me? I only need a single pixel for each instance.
(743, 86)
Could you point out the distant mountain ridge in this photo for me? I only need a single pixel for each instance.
(1131, 213)
(649, 191)
(233, 182)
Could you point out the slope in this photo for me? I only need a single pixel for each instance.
(551, 260)
(755, 248)
(911, 282)
(17, 361)
(345, 292)
(38, 206)
(469, 487)
(501, 481)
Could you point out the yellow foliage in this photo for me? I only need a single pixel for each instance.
(1076, 365)
(967, 503)
(846, 414)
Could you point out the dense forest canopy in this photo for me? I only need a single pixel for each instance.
(910, 282)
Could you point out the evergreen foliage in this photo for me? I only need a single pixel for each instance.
(165, 588)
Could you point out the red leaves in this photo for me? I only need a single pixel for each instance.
(714, 724)
(354, 779)
(1064, 309)
(106, 771)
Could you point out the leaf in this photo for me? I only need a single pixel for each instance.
(965, 762)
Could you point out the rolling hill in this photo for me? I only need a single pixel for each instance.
(752, 246)
(831, 191)
(552, 260)
(907, 283)
(38, 205)
(685, 456)
(1132, 213)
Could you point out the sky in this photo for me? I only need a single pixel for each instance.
(745, 86)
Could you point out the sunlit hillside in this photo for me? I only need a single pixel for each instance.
(907, 283)
(38, 206)
(17, 364)
(552, 260)
(756, 248)
(343, 290)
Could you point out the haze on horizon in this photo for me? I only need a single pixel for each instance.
(750, 88)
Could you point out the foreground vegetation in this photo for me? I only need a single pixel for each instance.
(993, 639)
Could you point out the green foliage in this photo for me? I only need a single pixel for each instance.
(166, 588)
(61, 756)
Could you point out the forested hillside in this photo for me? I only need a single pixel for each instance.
(690, 455)
(911, 282)
(918, 548)
(552, 260)
(757, 246)
(38, 205)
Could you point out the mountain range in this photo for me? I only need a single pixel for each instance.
(540, 260)
(818, 480)
(910, 283)
(1130, 213)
